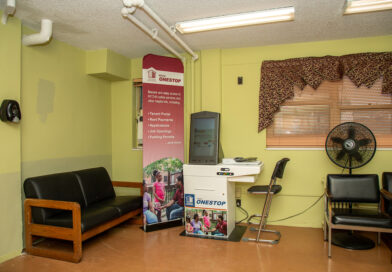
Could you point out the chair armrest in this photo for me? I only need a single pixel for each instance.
(129, 185)
(386, 194)
(54, 204)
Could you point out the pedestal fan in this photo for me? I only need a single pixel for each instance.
(351, 145)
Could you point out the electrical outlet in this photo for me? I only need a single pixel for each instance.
(238, 202)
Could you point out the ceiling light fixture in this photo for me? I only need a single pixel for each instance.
(359, 6)
(235, 20)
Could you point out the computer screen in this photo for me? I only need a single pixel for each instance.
(204, 138)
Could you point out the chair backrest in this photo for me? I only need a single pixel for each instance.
(387, 185)
(354, 188)
(279, 168)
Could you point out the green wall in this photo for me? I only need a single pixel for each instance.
(215, 89)
(66, 121)
(72, 121)
(10, 173)
(67, 113)
(305, 174)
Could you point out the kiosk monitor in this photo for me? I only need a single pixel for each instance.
(204, 138)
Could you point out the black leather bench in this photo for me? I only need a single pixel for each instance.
(74, 206)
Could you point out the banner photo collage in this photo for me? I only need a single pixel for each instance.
(163, 139)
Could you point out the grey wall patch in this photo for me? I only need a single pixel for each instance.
(45, 98)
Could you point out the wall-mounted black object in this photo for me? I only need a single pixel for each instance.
(239, 80)
(10, 111)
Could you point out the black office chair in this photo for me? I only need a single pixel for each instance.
(341, 192)
(386, 204)
(269, 191)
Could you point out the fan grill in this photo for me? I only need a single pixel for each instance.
(350, 145)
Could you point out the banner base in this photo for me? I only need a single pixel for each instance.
(163, 225)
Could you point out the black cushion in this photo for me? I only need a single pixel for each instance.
(361, 217)
(387, 185)
(263, 189)
(91, 217)
(96, 184)
(354, 188)
(63, 187)
(124, 204)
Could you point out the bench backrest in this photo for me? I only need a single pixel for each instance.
(85, 187)
(62, 186)
(96, 184)
(387, 185)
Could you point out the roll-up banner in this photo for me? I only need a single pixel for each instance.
(163, 141)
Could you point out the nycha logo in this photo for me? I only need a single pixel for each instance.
(190, 200)
(152, 74)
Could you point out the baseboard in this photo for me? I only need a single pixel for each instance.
(10, 255)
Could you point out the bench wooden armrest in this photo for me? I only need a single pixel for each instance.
(386, 194)
(74, 234)
(52, 204)
(129, 185)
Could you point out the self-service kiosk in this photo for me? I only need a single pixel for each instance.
(211, 188)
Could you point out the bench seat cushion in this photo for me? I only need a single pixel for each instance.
(124, 204)
(91, 217)
(361, 217)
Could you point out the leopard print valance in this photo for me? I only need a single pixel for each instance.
(278, 78)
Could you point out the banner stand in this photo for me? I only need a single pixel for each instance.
(163, 142)
(163, 225)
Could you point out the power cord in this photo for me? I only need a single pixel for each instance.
(291, 216)
(244, 211)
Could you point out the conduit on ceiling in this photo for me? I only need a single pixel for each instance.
(42, 37)
(127, 12)
(8, 10)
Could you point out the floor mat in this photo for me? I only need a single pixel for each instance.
(235, 236)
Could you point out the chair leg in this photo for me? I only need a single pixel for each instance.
(329, 241)
(378, 238)
(263, 216)
(265, 240)
(325, 230)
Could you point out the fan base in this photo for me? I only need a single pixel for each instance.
(351, 240)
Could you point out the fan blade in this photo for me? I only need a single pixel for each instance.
(337, 140)
(340, 155)
(351, 133)
(364, 141)
(357, 156)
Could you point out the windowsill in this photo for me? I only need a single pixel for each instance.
(294, 148)
(316, 148)
(137, 148)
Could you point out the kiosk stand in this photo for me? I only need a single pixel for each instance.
(211, 188)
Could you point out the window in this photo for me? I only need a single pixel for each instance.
(306, 119)
(137, 120)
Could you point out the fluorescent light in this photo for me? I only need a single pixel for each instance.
(359, 6)
(235, 20)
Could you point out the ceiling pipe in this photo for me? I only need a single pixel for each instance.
(42, 37)
(153, 33)
(9, 10)
(133, 4)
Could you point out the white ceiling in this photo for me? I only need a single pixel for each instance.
(95, 24)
